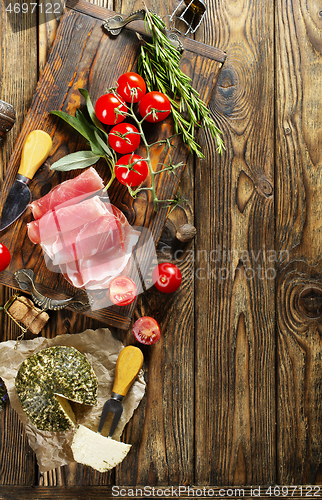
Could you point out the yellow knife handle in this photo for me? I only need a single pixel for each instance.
(128, 365)
(35, 151)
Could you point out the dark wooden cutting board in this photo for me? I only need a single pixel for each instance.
(85, 56)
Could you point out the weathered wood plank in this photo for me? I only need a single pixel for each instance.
(162, 428)
(234, 304)
(145, 491)
(298, 238)
(18, 69)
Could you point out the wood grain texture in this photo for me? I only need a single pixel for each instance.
(97, 59)
(298, 238)
(234, 286)
(162, 427)
(18, 37)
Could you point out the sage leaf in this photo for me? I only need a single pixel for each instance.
(91, 110)
(73, 121)
(80, 159)
(103, 145)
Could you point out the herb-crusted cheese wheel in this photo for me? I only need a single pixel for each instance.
(48, 379)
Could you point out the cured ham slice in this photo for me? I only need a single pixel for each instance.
(87, 182)
(94, 237)
(82, 235)
(97, 271)
(65, 219)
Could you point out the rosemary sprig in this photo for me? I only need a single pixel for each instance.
(159, 64)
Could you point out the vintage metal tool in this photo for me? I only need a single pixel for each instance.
(7, 118)
(25, 279)
(35, 151)
(128, 365)
(190, 12)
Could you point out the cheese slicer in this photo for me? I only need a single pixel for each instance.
(128, 365)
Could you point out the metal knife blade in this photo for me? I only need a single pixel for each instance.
(35, 151)
(16, 203)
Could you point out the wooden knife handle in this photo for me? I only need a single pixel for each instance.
(128, 365)
(35, 151)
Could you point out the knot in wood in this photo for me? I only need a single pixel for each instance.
(264, 187)
(310, 301)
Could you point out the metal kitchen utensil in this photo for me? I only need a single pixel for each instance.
(192, 14)
(7, 118)
(128, 365)
(35, 151)
(25, 279)
(115, 24)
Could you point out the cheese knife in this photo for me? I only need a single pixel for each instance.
(35, 151)
(128, 365)
(92, 448)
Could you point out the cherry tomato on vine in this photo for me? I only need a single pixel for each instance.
(124, 138)
(166, 277)
(156, 102)
(110, 109)
(146, 330)
(131, 86)
(5, 257)
(131, 170)
(123, 291)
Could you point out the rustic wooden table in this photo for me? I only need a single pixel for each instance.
(234, 387)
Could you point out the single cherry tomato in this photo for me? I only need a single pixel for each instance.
(131, 170)
(124, 138)
(157, 104)
(146, 330)
(5, 257)
(123, 291)
(131, 87)
(166, 277)
(110, 109)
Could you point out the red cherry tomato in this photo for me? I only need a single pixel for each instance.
(156, 102)
(5, 257)
(131, 170)
(146, 330)
(124, 138)
(110, 109)
(123, 291)
(131, 87)
(166, 277)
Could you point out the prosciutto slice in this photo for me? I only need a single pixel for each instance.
(82, 235)
(62, 220)
(94, 237)
(87, 182)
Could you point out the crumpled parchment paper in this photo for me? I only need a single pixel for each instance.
(53, 449)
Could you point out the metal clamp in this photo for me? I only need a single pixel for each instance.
(115, 24)
(25, 279)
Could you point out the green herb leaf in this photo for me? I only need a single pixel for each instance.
(80, 159)
(91, 110)
(73, 121)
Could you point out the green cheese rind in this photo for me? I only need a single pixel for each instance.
(55, 370)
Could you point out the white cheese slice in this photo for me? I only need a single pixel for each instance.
(93, 449)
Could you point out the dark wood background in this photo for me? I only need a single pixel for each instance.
(234, 386)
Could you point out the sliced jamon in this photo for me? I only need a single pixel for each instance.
(94, 237)
(66, 219)
(97, 271)
(87, 182)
